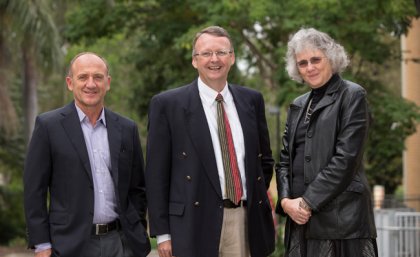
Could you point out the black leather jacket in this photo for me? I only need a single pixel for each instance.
(335, 181)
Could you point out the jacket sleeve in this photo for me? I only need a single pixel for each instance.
(282, 169)
(36, 177)
(267, 161)
(158, 168)
(336, 176)
(137, 193)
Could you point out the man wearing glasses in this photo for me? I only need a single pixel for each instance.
(209, 161)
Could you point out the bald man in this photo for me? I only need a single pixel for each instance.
(84, 182)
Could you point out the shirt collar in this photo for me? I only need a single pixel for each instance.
(82, 116)
(208, 94)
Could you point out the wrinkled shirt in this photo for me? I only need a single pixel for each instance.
(96, 139)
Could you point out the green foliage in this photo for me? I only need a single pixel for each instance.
(35, 26)
(148, 45)
(11, 193)
(394, 119)
(11, 213)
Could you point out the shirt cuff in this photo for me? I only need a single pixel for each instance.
(163, 238)
(42, 247)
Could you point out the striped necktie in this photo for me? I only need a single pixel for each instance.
(230, 164)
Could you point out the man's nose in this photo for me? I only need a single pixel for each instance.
(214, 56)
(90, 82)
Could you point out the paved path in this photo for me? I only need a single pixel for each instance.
(153, 253)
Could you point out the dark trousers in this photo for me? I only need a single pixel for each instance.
(110, 245)
(300, 246)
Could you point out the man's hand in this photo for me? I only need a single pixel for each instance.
(165, 249)
(44, 253)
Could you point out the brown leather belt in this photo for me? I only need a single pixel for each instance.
(230, 205)
(103, 229)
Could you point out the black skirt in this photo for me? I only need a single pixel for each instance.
(299, 246)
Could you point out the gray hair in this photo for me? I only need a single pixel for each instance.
(312, 39)
(214, 31)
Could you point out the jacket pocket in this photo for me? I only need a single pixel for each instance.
(176, 209)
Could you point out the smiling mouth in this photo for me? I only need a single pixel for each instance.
(90, 93)
(215, 67)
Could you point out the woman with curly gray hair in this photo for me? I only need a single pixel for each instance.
(323, 190)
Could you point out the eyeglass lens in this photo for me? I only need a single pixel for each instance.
(312, 60)
(220, 53)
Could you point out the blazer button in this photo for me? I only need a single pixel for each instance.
(188, 178)
(184, 155)
(307, 158)
(310, 133)
(259, 178)
(259, 155)
(260, 202)
(197, 204)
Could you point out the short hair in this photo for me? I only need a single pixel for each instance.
(312, 39)
(214, 31)
(70, 72)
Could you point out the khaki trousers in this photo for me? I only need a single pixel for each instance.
(234, 238)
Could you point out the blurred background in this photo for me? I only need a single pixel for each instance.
(148, 45)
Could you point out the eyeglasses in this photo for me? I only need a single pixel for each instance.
(208, 54)
(313, 60)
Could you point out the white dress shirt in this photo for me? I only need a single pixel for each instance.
(208, 100)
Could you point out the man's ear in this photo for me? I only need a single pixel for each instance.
(69, 83)
(194, 62)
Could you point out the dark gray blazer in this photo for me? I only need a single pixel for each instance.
(183, 188)
(57, 166)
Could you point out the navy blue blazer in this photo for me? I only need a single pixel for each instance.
(183, 188)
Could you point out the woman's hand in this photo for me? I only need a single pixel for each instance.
(296, 210)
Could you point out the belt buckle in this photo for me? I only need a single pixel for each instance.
(98, 229)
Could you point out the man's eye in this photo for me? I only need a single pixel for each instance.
(221, 53)
(206, 54)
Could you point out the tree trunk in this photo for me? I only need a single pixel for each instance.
(30, 82)
(8, 117)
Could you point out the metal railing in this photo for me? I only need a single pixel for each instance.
(398, 232)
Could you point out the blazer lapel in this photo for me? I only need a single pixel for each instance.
(114, 140)
(198, 129)
(71, 125)
(325, 101)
